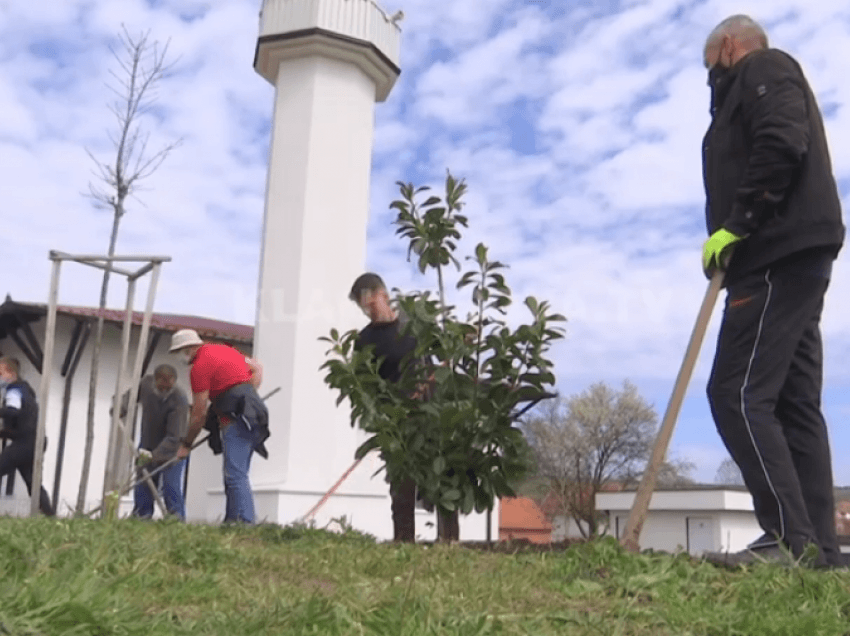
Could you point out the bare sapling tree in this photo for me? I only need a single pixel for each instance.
(140, 66)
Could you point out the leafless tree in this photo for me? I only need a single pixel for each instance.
(592, 441)
(141, 64)
(728, 473)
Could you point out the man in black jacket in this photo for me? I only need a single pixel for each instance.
(774, 222)
(19, 411)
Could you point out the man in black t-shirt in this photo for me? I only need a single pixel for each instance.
(384, 331)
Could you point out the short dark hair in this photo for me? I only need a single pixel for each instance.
(165, 371)
(12, 364)
(367, 282)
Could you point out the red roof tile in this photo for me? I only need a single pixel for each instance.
(521, 513)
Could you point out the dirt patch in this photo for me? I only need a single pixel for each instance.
(521, 546)
(320, 586)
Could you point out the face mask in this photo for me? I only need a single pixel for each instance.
(716, 75)
(4, 383)
(187, 356)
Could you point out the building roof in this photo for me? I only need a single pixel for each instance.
(207, 328)
(522, 513)
(717, 498)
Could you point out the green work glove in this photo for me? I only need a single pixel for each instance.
(716, 251)
(144, 458)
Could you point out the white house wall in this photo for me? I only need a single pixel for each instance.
(663, 530)
(729, 513)
(736, 530)
(564, 527)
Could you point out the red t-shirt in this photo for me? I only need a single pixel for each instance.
(218, 367)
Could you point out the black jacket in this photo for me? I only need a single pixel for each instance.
(20, 423)
(766, 164)
(241, 401)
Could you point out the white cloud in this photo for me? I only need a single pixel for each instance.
(466, 91)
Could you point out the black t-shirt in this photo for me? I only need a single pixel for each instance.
(390, 344)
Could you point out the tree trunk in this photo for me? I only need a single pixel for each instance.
(448, 526)
(95, 364)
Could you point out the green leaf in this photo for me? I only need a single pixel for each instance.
(365, 447)
(468, 502)
(451, 495)
(442, 374)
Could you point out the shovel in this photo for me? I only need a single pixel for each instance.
(640, 507)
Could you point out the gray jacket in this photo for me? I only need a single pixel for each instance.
(165, 420)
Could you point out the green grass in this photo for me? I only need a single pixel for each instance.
(130, 577)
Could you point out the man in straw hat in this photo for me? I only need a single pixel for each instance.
(228, 380)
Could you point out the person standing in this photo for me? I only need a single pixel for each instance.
(19, 411)
(774, 221)
(384, 333)
(228, 380)
(165, 415)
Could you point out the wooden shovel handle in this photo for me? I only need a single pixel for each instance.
(640, 506)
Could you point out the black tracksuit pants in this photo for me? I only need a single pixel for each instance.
(765, 396)
(19, 456)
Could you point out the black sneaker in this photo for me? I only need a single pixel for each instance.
(764, 541)
(769, 554)
(811, 557)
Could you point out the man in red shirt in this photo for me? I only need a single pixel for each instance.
(227, 379)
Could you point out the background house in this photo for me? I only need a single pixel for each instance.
(694, 520)
(521, 518)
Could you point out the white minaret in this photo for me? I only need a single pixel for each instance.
(330, 61)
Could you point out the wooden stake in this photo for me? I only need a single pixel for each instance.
(637, 516)
(44, 388)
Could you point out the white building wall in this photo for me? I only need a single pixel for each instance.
(736, 530)
(564, 527)
(78, 407)
(663, 530)
(729, 513)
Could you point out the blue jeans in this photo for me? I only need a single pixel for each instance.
(169, 482)
(238, 445)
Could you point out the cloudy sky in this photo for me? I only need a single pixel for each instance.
(576, 123)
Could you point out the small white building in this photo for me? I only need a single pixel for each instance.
(697, 520)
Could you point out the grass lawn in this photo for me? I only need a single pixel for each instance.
(132, 577)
